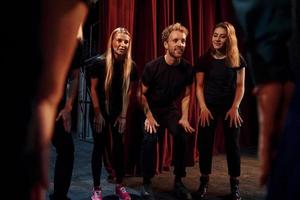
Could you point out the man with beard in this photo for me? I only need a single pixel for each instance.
(163, 81)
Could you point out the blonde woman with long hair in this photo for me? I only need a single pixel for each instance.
(110, 90)
(220, 75)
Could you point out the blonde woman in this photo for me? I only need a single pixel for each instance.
(110, 90)
(220, 75)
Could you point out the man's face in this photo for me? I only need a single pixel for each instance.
(120, 44)
(175, 45)
(219, 38)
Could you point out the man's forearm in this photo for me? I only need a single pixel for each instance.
(185, 103)
(143, 100)
(145, 106)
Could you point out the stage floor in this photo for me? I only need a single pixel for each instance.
(82, 183)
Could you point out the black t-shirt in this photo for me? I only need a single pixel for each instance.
(219, 79)
(165, 82)
(115, 98)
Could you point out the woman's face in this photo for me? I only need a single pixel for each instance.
(120, 44)
(219, 38)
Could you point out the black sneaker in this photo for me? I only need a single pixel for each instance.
(200, 194)
(181, 192)
(235, 190)
(146, 192)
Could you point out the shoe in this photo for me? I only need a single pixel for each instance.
(122, 193)
(201, 193)
(235, 190)
(146, 192)
(181, 192)
(97, 194)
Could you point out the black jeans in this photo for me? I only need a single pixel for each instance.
(100, 142)
(166, 118)
(206, 137)
(64, 144)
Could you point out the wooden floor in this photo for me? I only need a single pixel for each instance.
(162, 184)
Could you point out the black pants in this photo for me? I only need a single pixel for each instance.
(206, 137)
(64, 144)
(100, 141)
(166, 118)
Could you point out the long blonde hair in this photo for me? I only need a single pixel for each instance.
(110, 60)
(232, 51)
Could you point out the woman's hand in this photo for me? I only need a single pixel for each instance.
(121, 123)
(186, 125)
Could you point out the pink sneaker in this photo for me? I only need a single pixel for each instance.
(97, 194)
(122, 193)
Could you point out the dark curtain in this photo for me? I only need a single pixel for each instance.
(146, 19)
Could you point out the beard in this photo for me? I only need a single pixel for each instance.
(177, 52)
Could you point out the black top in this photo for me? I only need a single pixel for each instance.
(219, 79)
(115, 98)
(165, 82)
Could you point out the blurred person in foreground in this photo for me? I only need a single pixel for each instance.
(65, 126)
(272, 30)
(38, 49)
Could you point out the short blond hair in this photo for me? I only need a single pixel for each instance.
(174, 27)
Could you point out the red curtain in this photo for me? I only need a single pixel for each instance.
(146, 19)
